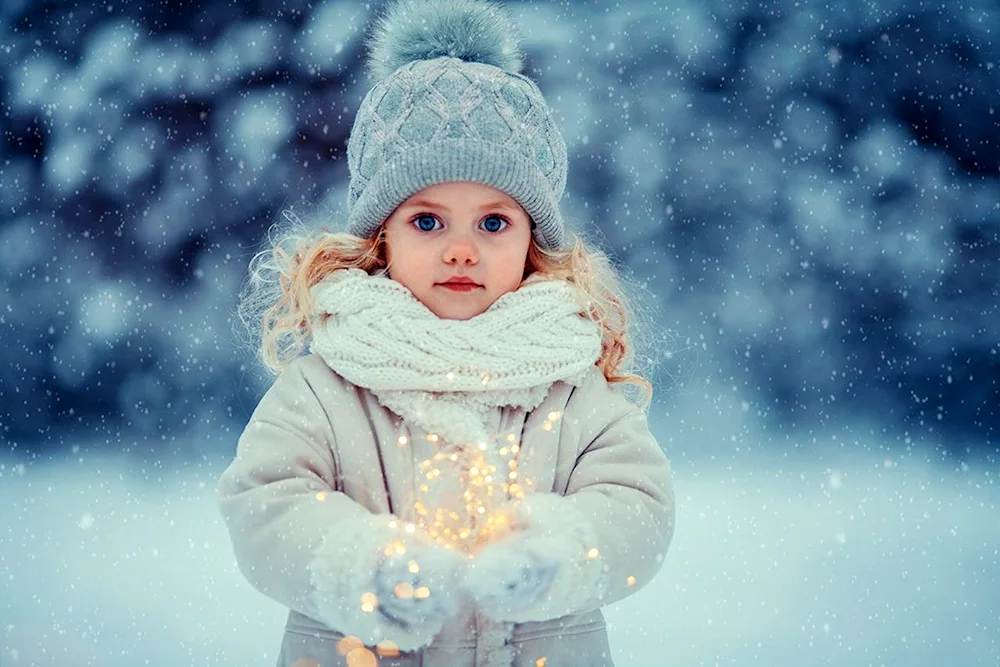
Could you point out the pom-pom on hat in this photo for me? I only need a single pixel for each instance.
(449, 103)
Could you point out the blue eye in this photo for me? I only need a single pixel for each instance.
(422, 222)
(489, 224)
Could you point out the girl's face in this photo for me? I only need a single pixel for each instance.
(458, 230)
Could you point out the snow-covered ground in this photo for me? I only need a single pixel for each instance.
(776, 562)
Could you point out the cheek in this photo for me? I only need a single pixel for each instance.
(408, 268)
(513, 263)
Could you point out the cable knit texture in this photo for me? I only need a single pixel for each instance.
(445, 375)
(451, 104)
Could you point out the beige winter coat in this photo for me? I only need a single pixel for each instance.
(320, 459)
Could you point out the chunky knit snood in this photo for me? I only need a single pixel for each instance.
(446, 375)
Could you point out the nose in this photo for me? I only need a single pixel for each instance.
(461, 249)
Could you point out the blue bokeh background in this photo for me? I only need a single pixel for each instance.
(809, 189)
(805, 194)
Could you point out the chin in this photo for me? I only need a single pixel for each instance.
(450, 311)
(455, 314)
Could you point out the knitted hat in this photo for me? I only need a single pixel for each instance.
(450, 104)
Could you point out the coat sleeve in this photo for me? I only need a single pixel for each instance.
(612, 525)
(295, 538)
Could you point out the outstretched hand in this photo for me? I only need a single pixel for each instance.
(420, 588)
(507, 577)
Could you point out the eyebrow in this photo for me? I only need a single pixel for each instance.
(423, 203)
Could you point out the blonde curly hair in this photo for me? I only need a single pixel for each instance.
(276, 304)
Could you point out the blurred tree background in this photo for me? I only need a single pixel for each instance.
(808, 192)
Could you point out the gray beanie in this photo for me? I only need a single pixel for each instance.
(450, 104)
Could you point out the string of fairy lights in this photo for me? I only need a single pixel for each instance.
(490, 479)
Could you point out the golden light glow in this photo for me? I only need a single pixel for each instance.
(450, 375)
(395, 548)
(413, 567)
(630, 581)
(361, 657)
(541, 662)
(387, 649)
(554, 415)
(403, 590)
(402, 441)
(422, 593)
(487, 478)
(593, 553)
(348, 644)
(321, 496)
(368, 602)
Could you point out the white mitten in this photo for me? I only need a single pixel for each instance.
(420, 588)
(511, 576)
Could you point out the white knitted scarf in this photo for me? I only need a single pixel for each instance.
(446, 375)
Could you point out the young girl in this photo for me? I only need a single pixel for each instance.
(450, 476)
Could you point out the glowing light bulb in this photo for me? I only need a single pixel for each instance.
(368, 602)
(361, 657)
(348, 644)
(403, 590)
(387, 649)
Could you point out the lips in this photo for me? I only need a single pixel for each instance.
(460, 284)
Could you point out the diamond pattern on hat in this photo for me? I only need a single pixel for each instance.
(445, 100)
